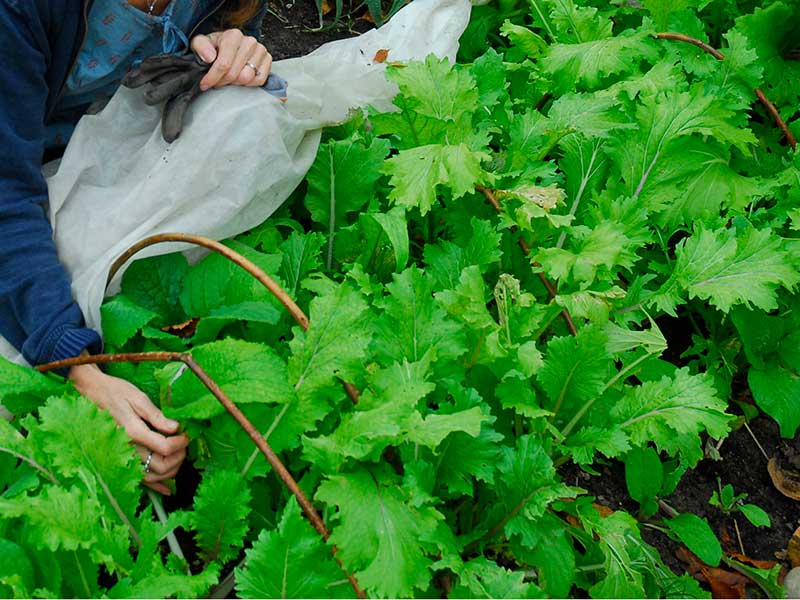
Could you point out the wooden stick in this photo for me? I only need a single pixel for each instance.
(771, 109)
(233, 410)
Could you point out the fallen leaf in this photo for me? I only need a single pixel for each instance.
(573, 521)
(182, 330)
(381, 56)
(759, 564)
(725, 538)
(793, 549)
(326, 7)
(723, 583)
(605, 511)
(786, 481)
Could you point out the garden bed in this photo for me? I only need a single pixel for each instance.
(524, 327)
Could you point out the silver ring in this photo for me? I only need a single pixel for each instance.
(148, 461)
(255, 68)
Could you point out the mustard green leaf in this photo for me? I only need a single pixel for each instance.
(291, 561)
(482, 578)
(247, 372)
(334, 344)
(155, 284)
(672, 412)
(219, 515)
(379, 534)
(411, 323)
(415, 174)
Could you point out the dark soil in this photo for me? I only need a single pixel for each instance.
(744, 467)
(289, 27)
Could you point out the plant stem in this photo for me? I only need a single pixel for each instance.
(575, 203)
(332, 209)
(611, 382)
(32, 463)
(646, 175)
(251, 459)
(667, 509)
(755, 439)
(499, 527)
(172, 541)
(539, 11)
(738, 536)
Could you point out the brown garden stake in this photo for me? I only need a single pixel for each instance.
(771, 109)
(236, 258)
(185, 358)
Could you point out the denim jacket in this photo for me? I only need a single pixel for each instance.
(39, 42)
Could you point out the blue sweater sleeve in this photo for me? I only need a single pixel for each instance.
(37, 312)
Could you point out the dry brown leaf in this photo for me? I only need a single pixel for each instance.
(182, 330)
(759, 564)
(605, 511)
(793, 549)
(381, 56)
(327, 7)
(723, 583)
(573, 521)
(786, 481)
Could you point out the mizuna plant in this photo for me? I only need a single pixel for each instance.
(576, 246)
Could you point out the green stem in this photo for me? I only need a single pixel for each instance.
(563, 393)
(611, 382)
(251, 459)
(539, 12)
(32, 463)
(83, 575)
(575, 203)
(332, 217)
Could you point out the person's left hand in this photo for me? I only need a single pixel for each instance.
(236, 59)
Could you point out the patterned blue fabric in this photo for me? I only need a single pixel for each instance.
(119, 36)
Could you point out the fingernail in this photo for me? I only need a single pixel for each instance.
(209, 56)
(171, 423)
(203, 87)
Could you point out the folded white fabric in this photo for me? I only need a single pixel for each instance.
(240, 156)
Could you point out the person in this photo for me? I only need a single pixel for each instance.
(60, 57)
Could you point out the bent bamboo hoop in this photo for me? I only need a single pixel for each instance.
(771, 109)
(233, 410)
(263, 446)
(253, 269)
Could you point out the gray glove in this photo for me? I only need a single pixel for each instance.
(172, 78)
(175, 79)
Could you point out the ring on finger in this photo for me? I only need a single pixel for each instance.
(148, 461)
(255, 68)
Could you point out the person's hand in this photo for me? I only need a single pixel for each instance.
(133, 410)
(236, 59)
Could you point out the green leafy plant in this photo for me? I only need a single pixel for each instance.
(571, 247)
(729, 503)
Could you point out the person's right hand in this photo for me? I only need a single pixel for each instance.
(134, 411)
